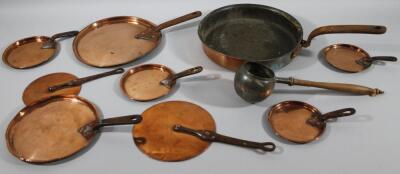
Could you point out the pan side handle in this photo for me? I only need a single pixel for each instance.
(334, 29)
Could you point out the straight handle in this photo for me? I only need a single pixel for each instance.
(343, 87)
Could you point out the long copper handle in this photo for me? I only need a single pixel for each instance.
(333, 29)
(178, 20)
(51, 43)
(351, 88)
(320, 120)
(80, 81)
(211, 136)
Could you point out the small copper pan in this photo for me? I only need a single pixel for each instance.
(300, 122)
(178, 130)
(56, 84)
(151, 81)
(57, 128)
(33, 51)
(350, 58)
(120, 40)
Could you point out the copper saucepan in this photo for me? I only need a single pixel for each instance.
(237, 33)
(33, 51)
(59, 84)
(120, 40)
(57, 128)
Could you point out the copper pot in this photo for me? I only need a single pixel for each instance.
(237, 33)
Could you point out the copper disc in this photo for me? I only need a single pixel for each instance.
(38, 89)
(28, 53)
(289, 121)
(345, 56)
(48, 131)
(161, 142)
(111, 41)
(142, 83)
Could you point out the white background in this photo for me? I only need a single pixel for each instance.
(366, 143)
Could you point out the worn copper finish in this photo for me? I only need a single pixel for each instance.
(300, 122)
(38, 89)
(111, 41)
(28, 53)
(238, 33)
(47, 131)
(344, 57)
(142, 83)
(289, 121)
(155, 136)
(350, 58)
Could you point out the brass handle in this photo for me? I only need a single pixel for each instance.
(51, 43)
(351, 88)
(83, 80)
(211, 136)
(333, 29)
(172, 79)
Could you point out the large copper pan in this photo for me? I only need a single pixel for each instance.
(237, 33)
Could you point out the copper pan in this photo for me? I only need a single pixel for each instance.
(237, 33)
(34, 51)
(152, 81)
(120, 40)
(57, 128)
(299, 122)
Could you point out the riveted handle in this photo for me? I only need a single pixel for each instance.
(80, 81)
(335, 29)
(320, 120)
(211, 136)
(169, 81)
(52, 41)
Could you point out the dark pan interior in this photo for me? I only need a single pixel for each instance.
(250, 32)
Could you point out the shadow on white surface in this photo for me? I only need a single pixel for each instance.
(218, 92)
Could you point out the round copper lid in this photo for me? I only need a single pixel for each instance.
(155, 137)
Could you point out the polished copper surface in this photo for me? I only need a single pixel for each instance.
(47, 131)
(111, 41)
(289, 121)
(142, 83)
(155, 137)
(345, 56)
(38, 89)
(28, 53)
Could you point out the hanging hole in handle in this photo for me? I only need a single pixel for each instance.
(268, 147)
(137, 119)
(119, 70)
(139, 140)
